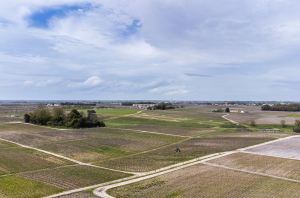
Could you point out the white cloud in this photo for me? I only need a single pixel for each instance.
(90, 82)
(27, 83)
(171, 90)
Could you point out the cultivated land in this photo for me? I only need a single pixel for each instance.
(136, 142)
(114, 111)
(207, 181)
(190, 149)
(281, 167)
(287, 148)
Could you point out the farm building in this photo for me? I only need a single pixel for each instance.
(143, 106)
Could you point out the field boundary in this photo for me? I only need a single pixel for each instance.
(63, 157)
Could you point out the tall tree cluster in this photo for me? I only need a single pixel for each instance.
(58, 117)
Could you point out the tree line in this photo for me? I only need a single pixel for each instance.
(58, 117)
(281, 107)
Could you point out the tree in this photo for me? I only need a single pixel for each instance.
(252, 123)
(26, 118)
(43, 116)
(227, 110)
(58, 116)
(282, 122)
(91, 115)
(182, 106)
(266, 107)
(297, 123)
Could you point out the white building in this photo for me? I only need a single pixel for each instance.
(143, 106)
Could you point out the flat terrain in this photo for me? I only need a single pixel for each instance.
(169, 130)
(144, 141)
(114, 111)
(190, 149)
(16, 186)
(207, 181)
(287, 148)
(281, 167)
(73, 177)
(274, 119)
(16, 159)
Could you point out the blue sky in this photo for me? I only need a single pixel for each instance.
(127, 49)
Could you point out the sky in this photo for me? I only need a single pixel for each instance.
(150, 50)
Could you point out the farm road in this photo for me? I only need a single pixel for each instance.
(101, 192)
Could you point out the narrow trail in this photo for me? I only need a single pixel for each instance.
(234, 122)
(140, 131)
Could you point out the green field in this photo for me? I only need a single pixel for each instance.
(114, 111)
(73, 177)
(15, 160)
(16, 186)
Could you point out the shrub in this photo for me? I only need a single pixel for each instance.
(252, 123)
(297, 130)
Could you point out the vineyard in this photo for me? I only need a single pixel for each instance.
(208, 181)
(41, 161)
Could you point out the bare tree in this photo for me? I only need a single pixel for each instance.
(282, 122)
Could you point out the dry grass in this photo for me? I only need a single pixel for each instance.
(73, 177)
(22, 128)
(274, 119)
(287, 148)
(263, 164)
(206, 181)
(190, 149)
(243, 117)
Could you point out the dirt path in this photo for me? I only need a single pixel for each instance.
(140, 131)
(234, 122)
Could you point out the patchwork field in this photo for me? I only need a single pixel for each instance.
(207, 181)
(73, 177)
(286, 148)
(90, 145)
(114, 111)
(190, 149)
(132, 143)
(14, 160)
(169, 130)
(281, 167)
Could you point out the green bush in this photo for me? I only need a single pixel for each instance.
(297, 130)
